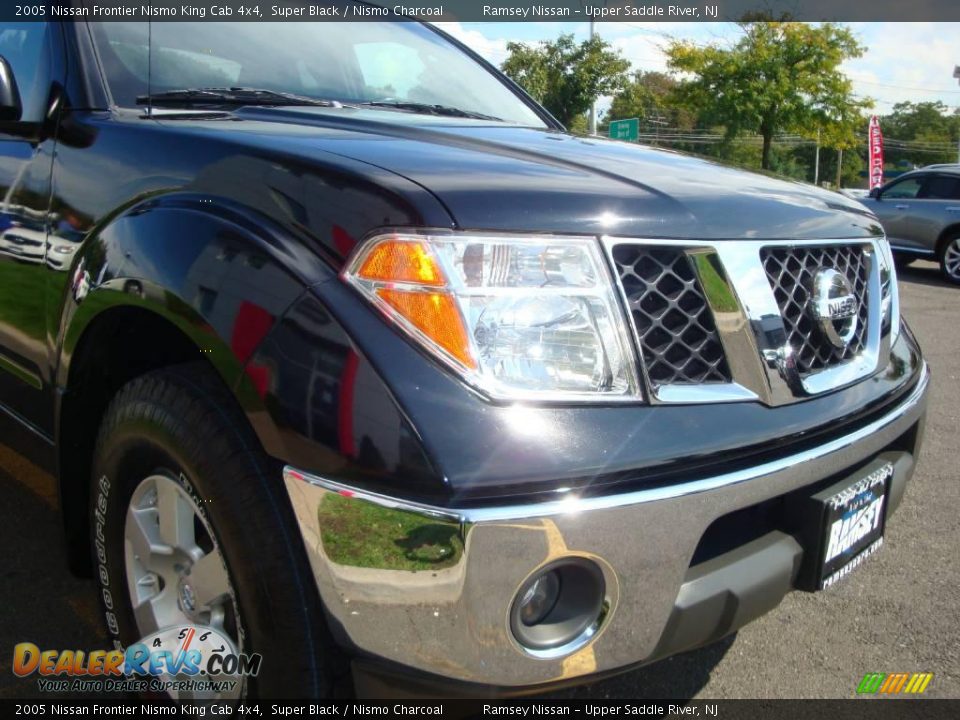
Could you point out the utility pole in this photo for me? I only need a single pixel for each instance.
(956, 74)
(657, 121)
(592, 121)
(592, 126)
(816, 161)
(839, 166)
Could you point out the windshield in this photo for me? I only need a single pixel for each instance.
(350, 62)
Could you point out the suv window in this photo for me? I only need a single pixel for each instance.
(26, 47)
(940, 187)
(905, 189)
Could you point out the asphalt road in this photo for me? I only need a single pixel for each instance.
(898, 613)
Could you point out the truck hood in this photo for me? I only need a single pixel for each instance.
(495, 176)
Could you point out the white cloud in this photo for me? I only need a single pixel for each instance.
(492, 50)
(917, 58)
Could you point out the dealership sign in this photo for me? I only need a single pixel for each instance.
(875, 142)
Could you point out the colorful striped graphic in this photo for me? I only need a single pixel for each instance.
(894, 683)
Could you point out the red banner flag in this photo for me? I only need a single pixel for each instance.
(875, 141)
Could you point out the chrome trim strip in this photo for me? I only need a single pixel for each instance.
(919, 252)
(706, 393)
(573, 504)
(737, 336)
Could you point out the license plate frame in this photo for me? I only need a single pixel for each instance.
(845, 524)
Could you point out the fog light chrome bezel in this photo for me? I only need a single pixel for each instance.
(578, 612)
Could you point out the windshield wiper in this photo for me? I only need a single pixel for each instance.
(429, 109)
(234, 96)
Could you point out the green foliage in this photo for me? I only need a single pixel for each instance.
(579, 125)
(649, 96)
(566, 77)
(779, 77)
(923, 122)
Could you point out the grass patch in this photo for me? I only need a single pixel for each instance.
(361, 534)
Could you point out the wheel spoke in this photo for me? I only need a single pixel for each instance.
(142, 534)
(176, 518)
(146, 615)
(951, 260)
(209, 580)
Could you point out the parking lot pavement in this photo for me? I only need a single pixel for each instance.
(898, 613)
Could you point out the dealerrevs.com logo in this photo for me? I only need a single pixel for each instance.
(190, 660)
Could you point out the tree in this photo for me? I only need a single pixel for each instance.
(930, 125)
(566, 77)
(779, 77)
(649, 96)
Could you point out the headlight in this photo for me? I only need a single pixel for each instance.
(516, 317)
(889, 293)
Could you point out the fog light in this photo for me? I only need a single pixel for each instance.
(560, 608)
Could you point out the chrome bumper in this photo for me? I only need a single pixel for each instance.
(431, 588)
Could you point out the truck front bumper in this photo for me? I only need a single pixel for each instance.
(431, 589)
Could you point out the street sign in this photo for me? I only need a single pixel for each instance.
(625, 129)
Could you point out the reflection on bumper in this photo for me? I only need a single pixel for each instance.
(431, 588)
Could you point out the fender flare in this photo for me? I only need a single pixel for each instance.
(218, 272)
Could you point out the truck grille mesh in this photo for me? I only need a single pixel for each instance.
(675, 326)
(790, 271)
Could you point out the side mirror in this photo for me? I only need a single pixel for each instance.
(875, 193)
(10, 107)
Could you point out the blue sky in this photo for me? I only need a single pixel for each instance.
(904, 61)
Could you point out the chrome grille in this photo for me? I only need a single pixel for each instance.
(674, 324)
(791, 272)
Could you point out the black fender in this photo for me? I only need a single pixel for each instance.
(218, 272)
(228, 279)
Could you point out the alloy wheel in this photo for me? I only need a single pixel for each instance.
(176, 573)
(951, 259)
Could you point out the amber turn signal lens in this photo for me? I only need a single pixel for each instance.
(399, 261)
(435, 315)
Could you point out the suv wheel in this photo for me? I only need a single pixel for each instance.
(950, 259)
(190, 524)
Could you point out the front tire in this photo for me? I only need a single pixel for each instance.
(950, 259)
(191, 524)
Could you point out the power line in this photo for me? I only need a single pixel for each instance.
(907, 87)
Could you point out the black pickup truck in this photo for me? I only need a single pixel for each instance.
(339, 344)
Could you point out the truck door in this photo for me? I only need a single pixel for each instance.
(25, 168)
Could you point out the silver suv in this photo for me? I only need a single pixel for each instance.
(920, 212)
